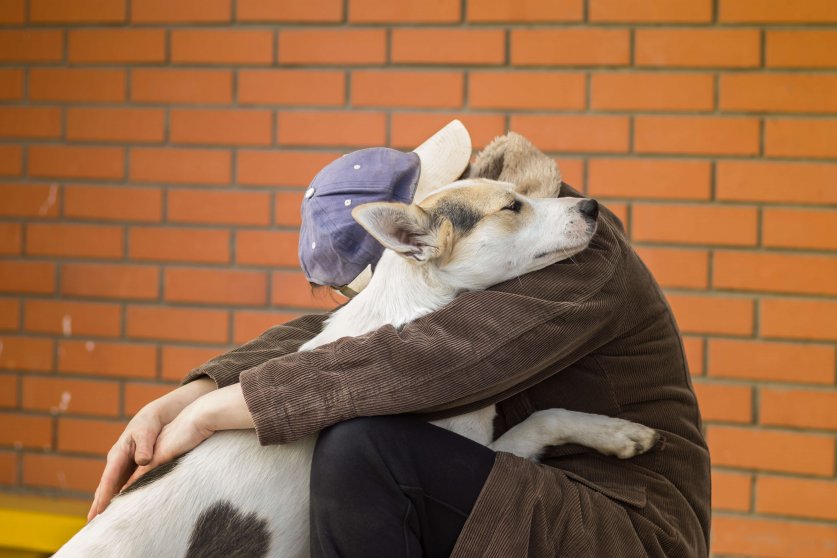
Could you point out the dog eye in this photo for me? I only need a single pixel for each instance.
(514, 206)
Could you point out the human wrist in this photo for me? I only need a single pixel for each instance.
(167, 407)
(223, 409)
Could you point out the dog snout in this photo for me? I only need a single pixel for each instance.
(589, 208)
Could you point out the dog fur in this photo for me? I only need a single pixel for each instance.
(251, 500)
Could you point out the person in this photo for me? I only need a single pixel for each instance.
(591, 334)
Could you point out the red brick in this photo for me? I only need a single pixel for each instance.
(332, 46)
(801, 408)
(179, 244)
(308, 128)
(222, 46)
(9, 314)
(799, 228)
(570, 47)
(572, 172)
(801, 49)
(759, 537)
(698, 48)
(653, 92)
(116, 124)
(8, 391)
(280, 168)
(83, 241)
(725, 403)
(11, 158)
(527, 90)
(11, 84)
(65, 473)
(287, 208)
(221, 127)
(620, 210)
(230, 208)
(535, 11)
(800, 138)
(573, 133)
(77, 11)
(650, 11)
(113, 203)
(712, 314)
(777, 273)
(768, 450)
(11, 238)
(694, 347)
(180, 166)
(292, 289)
(296, 11)
(696, 135)
(649, 178)
(29, 200)
(12, 11)
(25, 431)
(384, 11)
(30, 122)
(72, 318)
(677, 268)
(181, 86)
(88, 436)
(775, 362)
(117, 45)
(8, 468)
(26, 353)
(137, 395)
(777, 11)
(64, 161)
(448, 46)
(799, 319)
(31, 46)
(178, 361)
(215, 286)
(77, 397)
(110, 281)
(776, 181)
(248, 325)
(731, 491)
(107, 359)
(778, 92)
(178, 324)
(411, 129)
(27, 277)
(76, 85)
(695, 224)
(180, 11)
(813, 499)
(291, 87)
(267, 248)
(372, 88)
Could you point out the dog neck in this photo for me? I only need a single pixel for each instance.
(399, 292)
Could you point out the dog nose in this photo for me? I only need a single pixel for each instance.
(589, 208)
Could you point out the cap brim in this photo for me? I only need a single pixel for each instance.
(444, 157)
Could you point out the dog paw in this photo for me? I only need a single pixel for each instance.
(630, 439)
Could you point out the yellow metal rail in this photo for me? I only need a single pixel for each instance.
(34, 526)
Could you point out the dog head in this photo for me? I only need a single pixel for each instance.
(479, 232)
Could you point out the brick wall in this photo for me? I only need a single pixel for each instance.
(153, 155)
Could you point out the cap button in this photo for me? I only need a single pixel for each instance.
(309, 193)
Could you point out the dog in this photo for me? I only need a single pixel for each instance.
(468, 236)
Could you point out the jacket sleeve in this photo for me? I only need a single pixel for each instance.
(273, 343)
(479, 349)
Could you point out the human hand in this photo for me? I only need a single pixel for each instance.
(136, 444)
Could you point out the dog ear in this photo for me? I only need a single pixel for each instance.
(512, 158)
(404, 229)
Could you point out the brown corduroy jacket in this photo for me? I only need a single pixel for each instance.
(591, 334)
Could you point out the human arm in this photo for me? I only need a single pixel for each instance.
(482, 347)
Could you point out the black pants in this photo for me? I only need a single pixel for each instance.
(392, 487)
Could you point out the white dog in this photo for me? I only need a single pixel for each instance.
(467, 236)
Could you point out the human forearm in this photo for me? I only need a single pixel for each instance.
(170, 405)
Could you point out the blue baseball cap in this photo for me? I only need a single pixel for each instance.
(334, 250)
